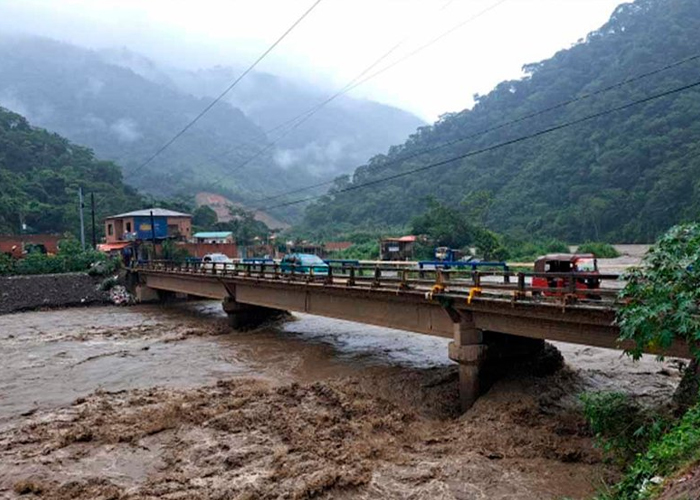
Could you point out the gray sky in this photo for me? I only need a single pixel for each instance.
(337, 41)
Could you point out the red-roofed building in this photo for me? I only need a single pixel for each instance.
(337, 246)
(398, 248)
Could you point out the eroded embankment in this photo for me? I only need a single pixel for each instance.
(22, 293)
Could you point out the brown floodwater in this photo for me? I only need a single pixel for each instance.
(52, 357)
(167, 402)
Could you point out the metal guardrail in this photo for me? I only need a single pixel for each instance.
(516, 286)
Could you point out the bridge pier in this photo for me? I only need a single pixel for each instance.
(467, 349)
(246, 316)
(483, 356)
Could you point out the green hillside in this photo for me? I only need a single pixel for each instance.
(626, 176)
(40, 173)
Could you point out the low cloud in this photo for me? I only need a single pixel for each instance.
(126, 130)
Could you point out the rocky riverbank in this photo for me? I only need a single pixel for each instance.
(23, 293)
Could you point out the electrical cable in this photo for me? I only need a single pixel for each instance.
(355, 82)
(230, 87)
(494, 147)
(505, 124)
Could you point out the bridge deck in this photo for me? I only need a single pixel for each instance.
(412, 300)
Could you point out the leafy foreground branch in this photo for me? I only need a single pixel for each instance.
(661, 306)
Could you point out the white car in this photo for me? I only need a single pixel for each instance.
(218, 260)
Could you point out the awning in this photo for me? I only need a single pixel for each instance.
(111, 247)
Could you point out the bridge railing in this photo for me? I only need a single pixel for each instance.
(517, 286)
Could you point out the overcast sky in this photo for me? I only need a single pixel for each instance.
(335, 43)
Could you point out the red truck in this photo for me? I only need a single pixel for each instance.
(582, 267)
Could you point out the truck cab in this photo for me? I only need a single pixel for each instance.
(582, 267)
(447, 254)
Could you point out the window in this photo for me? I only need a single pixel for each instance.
(110, 229)
(128, 227)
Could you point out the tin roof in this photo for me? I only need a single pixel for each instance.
(157, 212)
(213, 234)
(566, 257)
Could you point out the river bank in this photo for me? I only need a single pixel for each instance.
(167, 402)
(23, 293)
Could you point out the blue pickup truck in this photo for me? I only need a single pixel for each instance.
(303, 263)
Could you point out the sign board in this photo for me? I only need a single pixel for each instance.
(144, 230)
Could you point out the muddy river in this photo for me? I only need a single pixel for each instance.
(167, 402)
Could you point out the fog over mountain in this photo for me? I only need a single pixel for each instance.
(125, 106)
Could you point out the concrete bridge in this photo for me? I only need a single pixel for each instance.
(492, 318)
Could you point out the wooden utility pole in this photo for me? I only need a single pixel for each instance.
(94, 229)
(82, 219)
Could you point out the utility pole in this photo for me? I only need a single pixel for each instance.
(94, 229)
(82, 220)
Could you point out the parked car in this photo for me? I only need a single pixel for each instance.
(303, 263)
(218, 260)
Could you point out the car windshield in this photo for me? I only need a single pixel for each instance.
(312, 260)
(585, 265)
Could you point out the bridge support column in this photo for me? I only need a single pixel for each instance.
(467, 349)
(247, 316)
(144, 293)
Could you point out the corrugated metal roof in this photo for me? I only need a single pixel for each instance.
(214, 234)
(157, 212)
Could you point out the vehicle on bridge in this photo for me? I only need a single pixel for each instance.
(303, 263)
(212, 260)
(447, 254)
(563, 268)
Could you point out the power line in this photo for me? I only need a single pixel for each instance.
(313, 109)
(496, 146)
(230, 87)
(505, 124)
(356, 82)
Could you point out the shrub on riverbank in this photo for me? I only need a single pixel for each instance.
(676, 450)
(622, 428)
(600, 250)
(70, 258)
(660, 307)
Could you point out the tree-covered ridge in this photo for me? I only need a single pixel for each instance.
(125, 117)
(40, 173)
(626, 176)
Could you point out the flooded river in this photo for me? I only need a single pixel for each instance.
(167, 402)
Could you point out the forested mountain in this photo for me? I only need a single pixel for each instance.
(337, 139)
(625, 176)
(40, 173)
(126, 106)
(126, 118)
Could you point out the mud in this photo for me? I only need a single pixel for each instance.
(22, 293)
(151, 402)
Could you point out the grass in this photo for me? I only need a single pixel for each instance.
(666, 455)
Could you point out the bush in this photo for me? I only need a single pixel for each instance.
(70, 258)
(109, 283)
(621, 427)
(529, 251)
(7, 265)
(361, 251)
(675, 450)
(600, 250)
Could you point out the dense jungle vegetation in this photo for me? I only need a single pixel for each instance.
(40, 173)
(623, 177)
